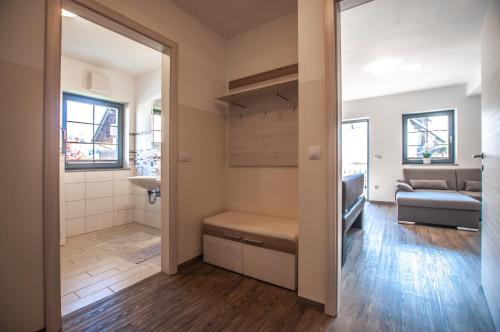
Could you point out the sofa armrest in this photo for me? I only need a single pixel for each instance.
(402, 186)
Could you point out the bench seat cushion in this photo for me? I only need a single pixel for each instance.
(438, 199)
(280, 228)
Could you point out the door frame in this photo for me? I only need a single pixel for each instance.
(367, 120)
(333, 102)
(112, 20)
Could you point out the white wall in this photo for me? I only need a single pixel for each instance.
(22, 35)
(268, 46)
(385, 114)
(312, 132)
(263, 190)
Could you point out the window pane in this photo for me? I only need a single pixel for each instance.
(156, 136)
(79, 132)
(75, 151)
(439, 151)
(106, 115)
(106, 134)
(438, 122)
(417, 138)
(105, 152)
(415, 152)
(156, 122)
(79, 112)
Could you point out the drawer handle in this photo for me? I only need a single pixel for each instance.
(253, 241)
(232, 236)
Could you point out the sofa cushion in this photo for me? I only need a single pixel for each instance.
(438, 199)
(429, 184)
(467, 174)
(471, 185)
(473, 194)
(425, 173)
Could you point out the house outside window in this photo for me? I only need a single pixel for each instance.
(92, 133)
(432, 132)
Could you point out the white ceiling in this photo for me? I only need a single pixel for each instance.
(89, 42)
(231, 17)
(432, 42)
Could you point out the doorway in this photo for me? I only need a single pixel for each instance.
(355, 150)
(108, 19)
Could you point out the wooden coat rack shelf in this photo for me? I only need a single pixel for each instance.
(263, 119)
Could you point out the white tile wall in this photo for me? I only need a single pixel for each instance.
(153, 219)
(122, 187)
(96, 200)
(74, 177)
(99, 189)
(75, 226)
(123, 217)
(96, 176)
(75, 191)
(123, 202)
(98, 206)
(75, 209)
(98, 222)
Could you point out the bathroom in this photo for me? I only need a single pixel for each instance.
(111, 89)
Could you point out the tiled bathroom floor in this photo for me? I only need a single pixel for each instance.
(90, 273)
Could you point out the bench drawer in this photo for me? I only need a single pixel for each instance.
(224, 253)
(272, 266)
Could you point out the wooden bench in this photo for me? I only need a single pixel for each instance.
(258, 246)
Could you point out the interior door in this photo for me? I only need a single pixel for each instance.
(490, 233)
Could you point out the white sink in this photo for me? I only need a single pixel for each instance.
(146, 182)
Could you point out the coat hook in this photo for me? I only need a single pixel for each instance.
(237, 104)
(279, 95)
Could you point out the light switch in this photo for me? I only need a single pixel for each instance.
(184, 156)
(313, 152)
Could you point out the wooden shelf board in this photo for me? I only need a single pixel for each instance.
(258, 88)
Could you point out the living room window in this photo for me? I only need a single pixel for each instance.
(430, 133)
(93, 132)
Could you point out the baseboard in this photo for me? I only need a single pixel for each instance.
(381, 202)
(311, 304)
(190, 262)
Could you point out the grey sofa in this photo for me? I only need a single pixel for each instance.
(440, 196)
(353, 202)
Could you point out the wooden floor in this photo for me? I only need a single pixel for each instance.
(90, 273)
(397, 278)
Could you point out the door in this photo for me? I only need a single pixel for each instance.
(355, 149)
(490, 232)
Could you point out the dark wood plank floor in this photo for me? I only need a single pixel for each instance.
(397, 278)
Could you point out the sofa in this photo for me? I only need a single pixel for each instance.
(448, 197)
(353, 202)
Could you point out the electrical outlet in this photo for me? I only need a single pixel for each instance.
(377, 187)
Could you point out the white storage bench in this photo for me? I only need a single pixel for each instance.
(258, 246)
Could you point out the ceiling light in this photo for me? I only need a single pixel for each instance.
(66, 13)
(390, 65)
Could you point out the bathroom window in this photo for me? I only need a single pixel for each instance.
(92, 132)
(156, 125)
(430, 132)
